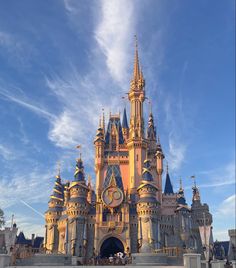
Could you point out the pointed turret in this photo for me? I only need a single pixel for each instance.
(159, 157)
(79, 171)
(168, 185)
(52, 215)
(181, 201)
(125, 126)
(125, 121)
(151, 131)
(57, 197)
(100, 132)
(196, 194)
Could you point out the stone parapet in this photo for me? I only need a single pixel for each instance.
(192, 260)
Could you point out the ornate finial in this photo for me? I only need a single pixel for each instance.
(167, 167)
(158, 139)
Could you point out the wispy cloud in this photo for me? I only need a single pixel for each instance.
(177, 146)
(6, 153)
(16, 187)
(178, 124)
(225, 214)
(22, 101)
(82, 98)
(19, 52)
(219, 177)
(113, 34)
(228, 207)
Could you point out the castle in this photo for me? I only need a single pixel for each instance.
(129, 211)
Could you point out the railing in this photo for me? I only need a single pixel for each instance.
(171, 251)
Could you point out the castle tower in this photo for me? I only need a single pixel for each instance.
(201, 222)
(183, 213)
(137, 144)
(77, 211)
(147, 209)
(52, 215)
(99, 143)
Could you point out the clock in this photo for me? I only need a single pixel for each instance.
(112, 196)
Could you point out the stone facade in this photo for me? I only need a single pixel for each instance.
(128, 211)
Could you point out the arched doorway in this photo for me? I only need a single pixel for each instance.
(111, 246)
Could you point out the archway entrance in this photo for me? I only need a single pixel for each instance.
(111, 246)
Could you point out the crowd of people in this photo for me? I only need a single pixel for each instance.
(119, 258)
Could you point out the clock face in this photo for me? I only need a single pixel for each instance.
(112, 196)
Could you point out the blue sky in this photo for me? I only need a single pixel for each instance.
(61, 62)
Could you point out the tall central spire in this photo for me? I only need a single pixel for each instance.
(137, 82)
(136, 62)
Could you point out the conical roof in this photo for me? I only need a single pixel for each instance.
(125, 121)
(168, 185)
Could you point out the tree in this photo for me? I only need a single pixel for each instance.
(2, 222)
